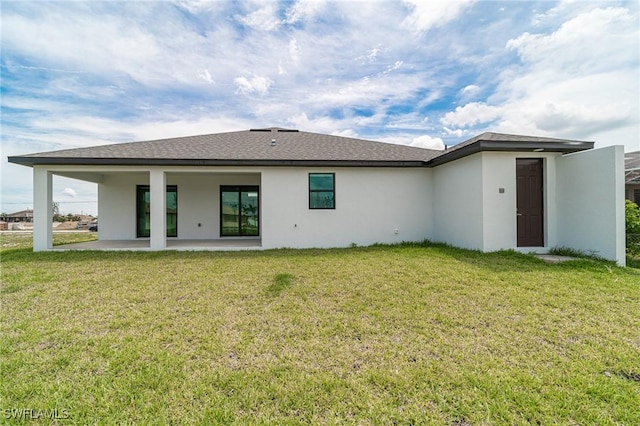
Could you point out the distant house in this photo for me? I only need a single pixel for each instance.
(278, 187)
(84, 221)
(632, 176)
(21, 216)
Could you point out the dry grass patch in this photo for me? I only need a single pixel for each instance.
(395, 334)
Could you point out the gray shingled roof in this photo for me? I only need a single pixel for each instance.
(490, 141)
(244, 147)
(291, 147)
(521, 139)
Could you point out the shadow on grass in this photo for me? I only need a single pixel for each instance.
(511, 260)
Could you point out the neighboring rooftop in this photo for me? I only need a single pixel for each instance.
(21, 213)
(632, 167)
(277, 146)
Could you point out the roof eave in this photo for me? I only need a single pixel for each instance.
(482, 145)
(56, 161)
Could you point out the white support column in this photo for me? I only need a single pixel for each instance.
(158, 200)
(42, 209)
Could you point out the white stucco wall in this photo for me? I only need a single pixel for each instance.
(384, 205)
(373, 205)
(117, 205)
(457, 200)
(499, 208)
(470, 211)
(591, 202)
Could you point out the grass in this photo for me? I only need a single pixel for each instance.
(407, 334)
(13, 240)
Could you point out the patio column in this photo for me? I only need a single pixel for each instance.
(158, 201)
(42, 209)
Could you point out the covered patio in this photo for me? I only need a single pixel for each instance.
(191, 208)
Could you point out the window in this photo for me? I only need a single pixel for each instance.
(143, 211)
(322, 190)
(239, 211)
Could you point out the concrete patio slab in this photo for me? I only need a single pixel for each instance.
(551, 258)
(141, 245)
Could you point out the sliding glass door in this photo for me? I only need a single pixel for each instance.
(143, 211)
(239, 215)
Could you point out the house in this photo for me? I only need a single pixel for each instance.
(17, 221)
(21, 216)
(275, 187)
(632, 176)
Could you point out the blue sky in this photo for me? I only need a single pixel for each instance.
(412, 72)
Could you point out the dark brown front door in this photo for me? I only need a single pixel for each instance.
(529, 202)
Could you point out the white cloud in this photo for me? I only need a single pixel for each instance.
(255, 84)
(370, 91)
(264, 19)
(304, 10)
(293, 50)
(80, 131)
(454, 132)
(321, 124)
(85, 41)
(372, 54)
(588, 43)
(347, 133)
(397, 65)
(431, 14)
(471, 114)
(578, 78)
(426, 141)
(572, 81)
(69, 192)
(197, 6)
(206, 76)
(281, 69)
(334, 126)
(470, 91)
(182, 127)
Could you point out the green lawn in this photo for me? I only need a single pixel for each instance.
(409, 334)
(13, 240)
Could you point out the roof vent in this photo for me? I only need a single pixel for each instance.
(273, 142)
(259, 130)
(288, 130)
